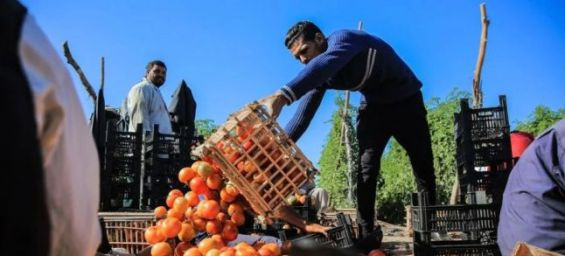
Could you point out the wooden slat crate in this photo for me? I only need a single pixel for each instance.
(126, 229)
(257, 156)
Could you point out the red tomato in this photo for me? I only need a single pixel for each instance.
(160, 212)
(192, 198)
(161, 249)
(154, 235)
(210, 209)
(376, 252)
(186, 174)
(198, 185)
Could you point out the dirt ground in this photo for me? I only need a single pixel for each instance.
(395, 239)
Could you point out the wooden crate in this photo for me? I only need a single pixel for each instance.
(257, 156)
(126, 229)
(524, 249)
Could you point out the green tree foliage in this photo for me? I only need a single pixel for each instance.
(333, 162)
(205, 127)
(396, 182)
(541, 119)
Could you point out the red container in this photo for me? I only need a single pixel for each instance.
(520, 141)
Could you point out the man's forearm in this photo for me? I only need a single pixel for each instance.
(304, 114)
(288, 215)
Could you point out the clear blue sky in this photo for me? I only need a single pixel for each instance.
(232, 52)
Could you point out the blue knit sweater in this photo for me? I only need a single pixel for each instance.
(354, 60)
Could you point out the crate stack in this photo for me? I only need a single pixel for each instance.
(483, 151)
(164, 156)
(139, 169)
(120, 177)
(256, 155)
(484, 161)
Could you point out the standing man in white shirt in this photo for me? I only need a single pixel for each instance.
(145, 104)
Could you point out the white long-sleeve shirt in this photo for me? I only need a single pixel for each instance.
(70, 161)
(146, 106)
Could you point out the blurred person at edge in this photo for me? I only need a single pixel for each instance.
(533, 204)
(50, 165)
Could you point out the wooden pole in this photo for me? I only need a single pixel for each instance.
(348, 153)
(477, 91)
(77, 68)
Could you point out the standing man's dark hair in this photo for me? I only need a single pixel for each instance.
(153, 63)
(306, 28)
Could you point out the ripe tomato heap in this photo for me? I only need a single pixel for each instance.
(213, 206)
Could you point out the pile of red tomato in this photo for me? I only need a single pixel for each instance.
(213, 206)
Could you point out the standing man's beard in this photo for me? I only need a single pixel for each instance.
(158, 81)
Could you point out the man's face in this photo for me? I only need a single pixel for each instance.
(157, 75)
(305, 51)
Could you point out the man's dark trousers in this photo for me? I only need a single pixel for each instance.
(406, 122)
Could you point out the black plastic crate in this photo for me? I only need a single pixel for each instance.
(482, 123)
(474, 223)
(482, 138)
(338, 237)
(121, 172)
(123, 152)
(164, 156)
(483, 150)
(492, 183)
(346, 222)
(456, 249)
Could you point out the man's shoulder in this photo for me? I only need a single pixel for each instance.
(142, 83)
(351, 35)
(142, 86)
(342, 33)
(142, 89)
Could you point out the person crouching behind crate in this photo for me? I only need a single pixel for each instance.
(392, 103)
(318, 198)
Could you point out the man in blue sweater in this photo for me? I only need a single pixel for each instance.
(533, 206)
(392, 102)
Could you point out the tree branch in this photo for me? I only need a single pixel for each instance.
(477, 91)
(77, 68)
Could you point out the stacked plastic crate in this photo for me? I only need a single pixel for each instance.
(466, 229)
(120, 176)
(484, 161)
(139, 169)
(164, 156)
(483, 151)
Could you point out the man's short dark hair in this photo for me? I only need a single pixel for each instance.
(153, 63)
(306, 28)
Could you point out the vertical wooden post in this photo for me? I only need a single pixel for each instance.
(477, 91)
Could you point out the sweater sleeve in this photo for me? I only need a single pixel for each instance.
(342, 47)
(304, 114)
